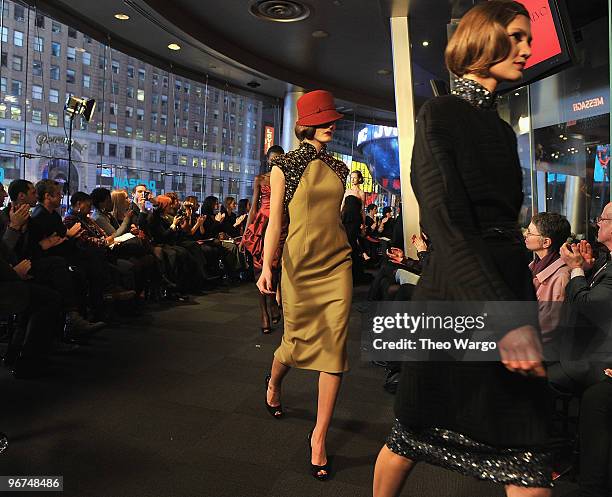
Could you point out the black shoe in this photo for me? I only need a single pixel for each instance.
(275, 411)
(321, 473)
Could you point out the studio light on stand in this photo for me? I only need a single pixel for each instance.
(76, 106)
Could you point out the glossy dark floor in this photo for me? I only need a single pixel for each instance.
(172, 405)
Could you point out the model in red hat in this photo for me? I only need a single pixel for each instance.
(317, 286)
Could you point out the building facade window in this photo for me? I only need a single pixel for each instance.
(16, 88)
(19, 13)
(18, 38)
(71, 54)
(37, 92)
(17, 63)
(54, 73)
(53, 119)
(53, 96)
(86, 58)
(56, 48)
(39, 44)
(15, 113)
(37, 68)
(15, 137)
(37, 116)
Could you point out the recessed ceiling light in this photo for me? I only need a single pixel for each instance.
(174, 46)
(425, 43)
(122, 17)
(383, 72)
(517, 94)
(320, 34)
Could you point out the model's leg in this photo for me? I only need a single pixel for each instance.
(265, 317)
(329, 385)
(390, 473)
(514, 491)
(274, 309)
(279, 370)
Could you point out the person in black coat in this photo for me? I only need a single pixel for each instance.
(482, 419)
(585, 357)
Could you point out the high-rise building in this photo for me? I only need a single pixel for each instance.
(149, 125)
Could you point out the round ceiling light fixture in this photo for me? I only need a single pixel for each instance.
(383, 72)
(174, 46)
(280, 10)
(122, 17)
(425, 43)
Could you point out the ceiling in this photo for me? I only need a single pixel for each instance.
(224, 41)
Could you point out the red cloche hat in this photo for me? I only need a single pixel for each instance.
(317, 107)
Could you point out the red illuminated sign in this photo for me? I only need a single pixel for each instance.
(545, 37)
(268, 138)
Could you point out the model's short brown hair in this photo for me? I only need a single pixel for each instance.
(304, 132)
(481, 40)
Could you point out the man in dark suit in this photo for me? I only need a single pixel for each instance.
(586, 354)
(589, 296)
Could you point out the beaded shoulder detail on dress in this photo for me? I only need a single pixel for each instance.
(294, 163)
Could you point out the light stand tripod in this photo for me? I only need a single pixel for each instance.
(67, 183)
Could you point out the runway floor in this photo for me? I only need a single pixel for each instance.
(171, 405)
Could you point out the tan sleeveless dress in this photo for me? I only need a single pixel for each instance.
(316, 283)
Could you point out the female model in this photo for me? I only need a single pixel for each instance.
(253, 240)
(308, 183)
(483, 419)
(353, 218)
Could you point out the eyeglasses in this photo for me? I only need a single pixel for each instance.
(529, 233)
(599, 219)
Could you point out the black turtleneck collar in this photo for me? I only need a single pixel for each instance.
(474, 93)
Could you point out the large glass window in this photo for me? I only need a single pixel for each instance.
(125, 124)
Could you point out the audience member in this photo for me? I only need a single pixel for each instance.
(544, 237)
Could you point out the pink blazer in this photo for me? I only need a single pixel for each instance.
(550, 290)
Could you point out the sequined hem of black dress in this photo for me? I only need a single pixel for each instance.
(474, 93)
(293, 164)
(457, 452)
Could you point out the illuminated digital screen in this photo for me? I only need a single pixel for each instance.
(544, 31)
